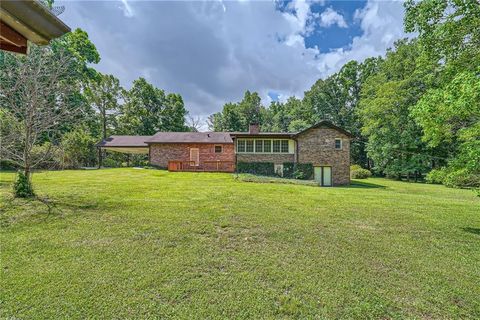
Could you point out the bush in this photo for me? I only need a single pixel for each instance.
(288, 170)
(462, 179)
(260, 168)
(302, 171)
(357, 172)
(79, 149)
(22, 188)
(111, 163)
(436, 176)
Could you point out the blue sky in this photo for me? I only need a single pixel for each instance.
(212, 51)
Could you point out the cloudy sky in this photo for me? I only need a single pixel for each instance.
(212, 51)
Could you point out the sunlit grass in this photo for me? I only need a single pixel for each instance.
(127, 243)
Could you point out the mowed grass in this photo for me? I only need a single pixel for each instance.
(127, 243)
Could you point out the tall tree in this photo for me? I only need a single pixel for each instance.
(394, 139)
(147, 110)
(104, 93)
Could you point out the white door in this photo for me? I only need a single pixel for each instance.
(317, 172)
(195, 156)
(327, 176)
(323, 175)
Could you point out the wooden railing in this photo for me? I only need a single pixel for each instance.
(208, 166)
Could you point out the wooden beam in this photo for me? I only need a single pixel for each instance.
(10, 35)
(12, 48)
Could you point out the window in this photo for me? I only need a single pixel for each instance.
(338, 144)
(276, 146)
(258, 145)
(241, 146)
(267, 146)
(249, 146)
(218, 149)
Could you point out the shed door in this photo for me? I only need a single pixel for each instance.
(327, 176)
(195, 156)
(323, 175)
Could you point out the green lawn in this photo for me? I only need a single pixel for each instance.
(128, 243)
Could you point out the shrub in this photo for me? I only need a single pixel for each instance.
(288, 170)
(357, 172)
(462, 179)
(436, 176)
(303, 171)
(260, 168)
(111, 163)
(22, 188)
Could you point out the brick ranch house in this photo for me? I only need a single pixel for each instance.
(323, 145)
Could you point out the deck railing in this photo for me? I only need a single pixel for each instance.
(208, 166)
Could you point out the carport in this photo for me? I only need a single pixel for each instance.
(123, 144)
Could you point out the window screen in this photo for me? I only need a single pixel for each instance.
(258, 145)
(267, 145)
(276, 145)
(241, 146)
(249, 146)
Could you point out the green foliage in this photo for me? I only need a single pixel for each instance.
(22, 187)
(288, 170)
(462, 178)
(148, 110)
(394, 138)
(260, 168)
(357, 172)
(238, 116)
(302, 171)
(79, 149)
(436, 176)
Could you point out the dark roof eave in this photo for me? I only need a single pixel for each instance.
(327, 124)
(188, 142)
(33, 20)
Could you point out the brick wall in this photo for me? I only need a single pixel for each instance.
(161, 153)
(276, 158)
(317, 146)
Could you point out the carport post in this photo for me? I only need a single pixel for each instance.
(99, 158)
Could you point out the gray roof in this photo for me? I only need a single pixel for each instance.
(191, 137)
(124, 141)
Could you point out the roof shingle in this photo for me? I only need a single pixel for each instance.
(190, 137)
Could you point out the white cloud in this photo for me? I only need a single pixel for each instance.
(211, 55)
(330, 17)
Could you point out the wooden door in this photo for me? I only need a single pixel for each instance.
(195, 156)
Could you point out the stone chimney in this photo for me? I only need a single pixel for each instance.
(254, 128)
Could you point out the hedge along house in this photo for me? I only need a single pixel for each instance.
(321, 152)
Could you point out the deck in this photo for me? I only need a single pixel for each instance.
(204, 166)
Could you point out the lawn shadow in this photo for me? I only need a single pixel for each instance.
(472, 230)
(363, 185)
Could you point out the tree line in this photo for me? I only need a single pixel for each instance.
(414, 111)
(54, 106)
